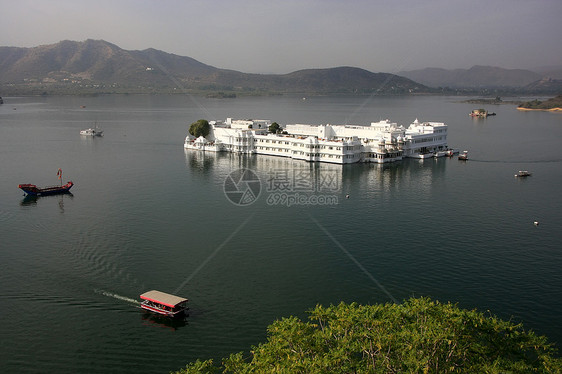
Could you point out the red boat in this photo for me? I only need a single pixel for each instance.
(33, 190)
(463, 156)
(163, 303)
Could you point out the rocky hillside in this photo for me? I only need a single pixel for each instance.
(545, 86)
(99, 66)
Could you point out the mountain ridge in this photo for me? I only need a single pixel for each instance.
(477, 76)
(97, 64)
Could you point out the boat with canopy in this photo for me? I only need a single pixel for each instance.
(163, 303)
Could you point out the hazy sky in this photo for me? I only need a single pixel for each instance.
(282, 36)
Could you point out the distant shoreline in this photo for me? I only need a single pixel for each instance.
(542, 110)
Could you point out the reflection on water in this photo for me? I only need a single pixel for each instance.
(29, 200)
(303, 176)
(32, 200)
(155, 320)
(200, 161)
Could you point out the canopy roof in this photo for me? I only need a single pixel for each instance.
(162, 298)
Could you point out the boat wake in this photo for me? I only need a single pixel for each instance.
(118, 297)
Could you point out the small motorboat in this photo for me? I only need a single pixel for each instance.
(91, 132)
(523, 174)
(440, 154)
(95, 131)
(463, 156)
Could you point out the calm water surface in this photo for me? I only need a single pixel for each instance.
(145, 214)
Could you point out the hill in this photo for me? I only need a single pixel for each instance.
(102, 67)
(550, 71)
(332, 80)
(475, 77)
(544, 86)
(82, 65)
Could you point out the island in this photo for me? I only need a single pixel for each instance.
(496, 100)
(552, 105)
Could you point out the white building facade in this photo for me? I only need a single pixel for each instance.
(381, 142)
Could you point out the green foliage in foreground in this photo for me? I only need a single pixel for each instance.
(418, 336)
(200, 128)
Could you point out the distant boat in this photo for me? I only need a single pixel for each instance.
(523, 174)
(33, 190)
(463, 156)
(423, 155)
(451, 152)
(481, 113)
(92, 132)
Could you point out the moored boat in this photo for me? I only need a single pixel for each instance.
(440, 154)
(95, 131)
(91, 132)
(163, 303)
(523, 174)
(451, 152)
(422, 155)
(33, 190)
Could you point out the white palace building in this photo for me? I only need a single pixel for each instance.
(381, 142)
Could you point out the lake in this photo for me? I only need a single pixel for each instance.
(146, 214)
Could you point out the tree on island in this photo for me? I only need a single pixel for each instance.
(418, 336)
(200, 128)
(275, 128)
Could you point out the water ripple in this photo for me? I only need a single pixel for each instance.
(517, 161)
